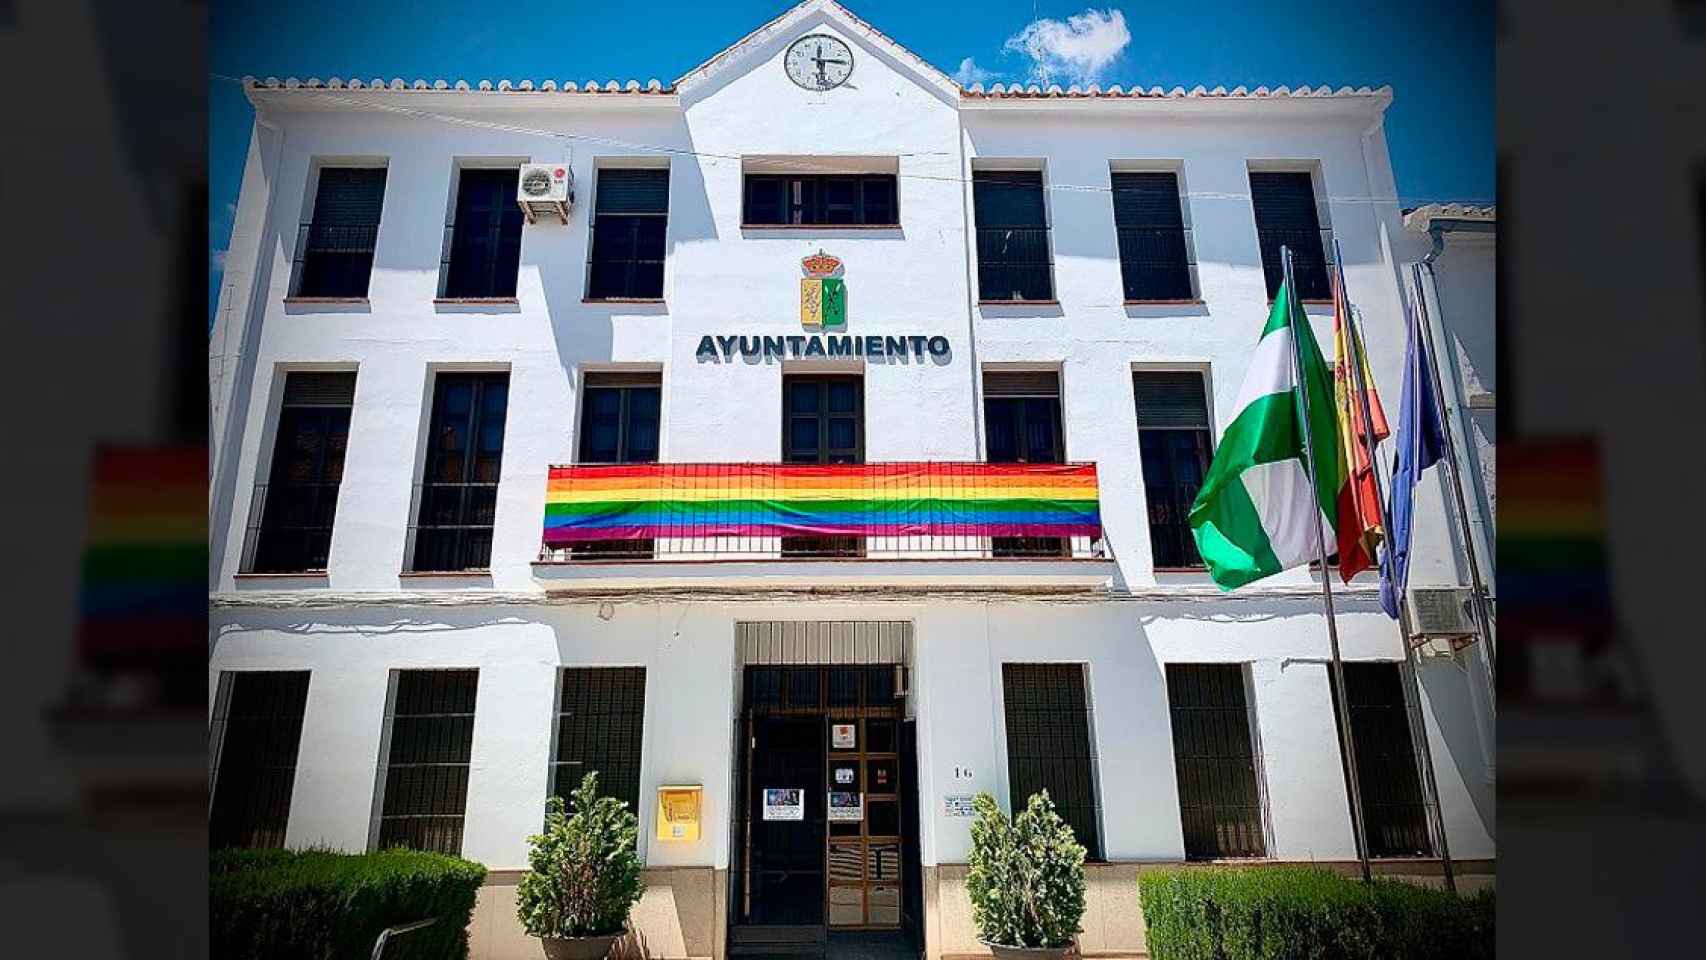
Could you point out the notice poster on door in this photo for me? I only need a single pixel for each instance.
(784, 803)
(845, 806)
(842, 736)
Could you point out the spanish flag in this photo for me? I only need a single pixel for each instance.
(1360, 530)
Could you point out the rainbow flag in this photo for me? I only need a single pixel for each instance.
(696, 500)
(144, 585)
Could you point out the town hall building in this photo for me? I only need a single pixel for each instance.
(805, 445)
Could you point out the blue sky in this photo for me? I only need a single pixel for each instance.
(1437, 56)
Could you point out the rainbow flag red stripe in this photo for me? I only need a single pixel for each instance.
(697, 500)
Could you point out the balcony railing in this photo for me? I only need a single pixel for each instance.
(768, 511)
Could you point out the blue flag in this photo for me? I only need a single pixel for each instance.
(1421, 444)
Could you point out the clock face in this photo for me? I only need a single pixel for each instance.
(817, 61)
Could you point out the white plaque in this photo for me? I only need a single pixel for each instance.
(958, 805)
(784, 803)
(842, 736)
(846, 806)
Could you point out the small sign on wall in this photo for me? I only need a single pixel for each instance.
(845, 775)
(784, 803)
(958, 805)
(844, 736)
(845, 806)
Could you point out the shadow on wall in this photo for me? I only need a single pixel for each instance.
(1452, 710)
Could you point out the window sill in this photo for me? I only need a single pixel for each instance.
(1184, 302)
(297, 575)
(423, 574)
(354, 301)
(622, 300)
(1180, 569)
(475, 301)
(1308, 302)
(820, 226)
(1018, 303)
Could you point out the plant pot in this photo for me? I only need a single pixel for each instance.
(578, 948)
(1004, 952)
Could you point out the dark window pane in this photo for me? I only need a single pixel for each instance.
(628, 235)
(259, 732)
(337, 244)
(1219, 794)
(298, 503)
(426, 771)
(458, 495)
(599, 719)
(1174, 448)
(485, 249)
(819, 199)
(1388, 775)
(823, 422)
(1049, 745)
(1150, 225)
(1284, 204)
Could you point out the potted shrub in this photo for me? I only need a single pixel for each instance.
(583, 876)
(1026, 881)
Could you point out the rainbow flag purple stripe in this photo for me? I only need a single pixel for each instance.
(697, 500)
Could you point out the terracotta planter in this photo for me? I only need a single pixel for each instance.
(578, 948)
(1004, 952)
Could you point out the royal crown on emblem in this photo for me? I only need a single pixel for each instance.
(820, 264)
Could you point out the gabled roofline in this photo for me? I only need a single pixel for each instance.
(800, 11)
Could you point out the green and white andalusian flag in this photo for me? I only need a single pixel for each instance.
(1256, 514)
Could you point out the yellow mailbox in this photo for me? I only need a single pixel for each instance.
(678, 812)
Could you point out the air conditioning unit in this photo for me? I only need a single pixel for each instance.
(1441, 613)
(545, 188)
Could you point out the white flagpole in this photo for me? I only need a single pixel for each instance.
(1413, 691)
(1341, 706)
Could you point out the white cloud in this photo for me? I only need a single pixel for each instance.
(970, 73)
(216, 259)
(1075, 50)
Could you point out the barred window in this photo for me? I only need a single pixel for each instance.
(256, 732)
(1286, 215)
(459, 484)
(482, 248)
(1149, 220)
(1013, 261)
(827, 199)
(600, 714)
(620, 417)
(1175, 450)
(425, 776)
(823, 421)
(334, 250)
(299, 501)
(1049, 746)
(1395, 814)
(629, 221)
(1220, 797)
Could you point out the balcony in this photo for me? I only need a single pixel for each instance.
(843, 526)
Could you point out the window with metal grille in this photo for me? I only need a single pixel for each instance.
(424, 781)
(1175, 450)
(298, 503)
(459, 484)
(1049, 745)
(600, 712)
(619, 424)
(1013, 260)
(256, 732)
(823, 421)
(482, 247)
(828, 199)
(1155, 250)
(1286, 215)
(1021, 416)
(1220, 794)
(334, 250)
(1395, 813)
(629, 221)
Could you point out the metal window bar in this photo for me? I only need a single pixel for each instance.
(1049, 744)
(1395, 813)
(936, 527)
(463, 540)
(1214, 753)
(424, 780)
(254, 737)
(599, 722)
(1013, 263)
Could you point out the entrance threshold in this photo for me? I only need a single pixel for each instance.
(807, 942)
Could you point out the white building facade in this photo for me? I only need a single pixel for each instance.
(400, 359)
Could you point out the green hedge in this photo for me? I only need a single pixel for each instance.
(318, 904)
(1270, 913)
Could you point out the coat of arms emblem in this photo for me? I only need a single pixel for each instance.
(823, 294)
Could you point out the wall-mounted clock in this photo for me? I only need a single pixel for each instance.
(818, 61)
